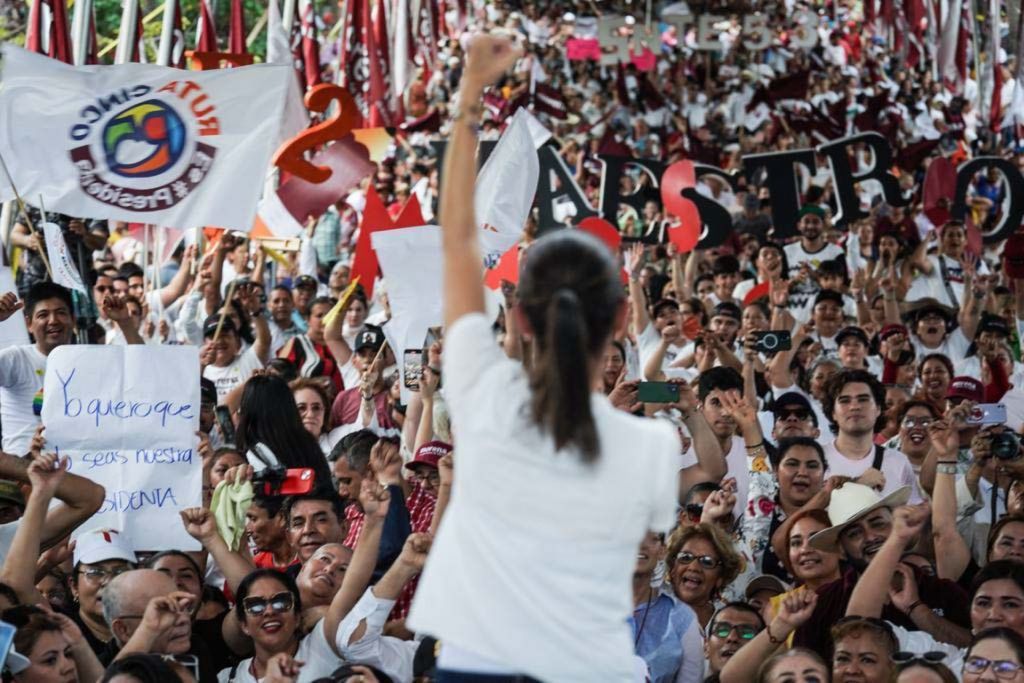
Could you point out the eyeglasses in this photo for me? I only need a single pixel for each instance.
(722, 629)
(101, 575)
(908, 658)
(281, 602)
(705, 561)
(784, 414)
(429, 476)
(1002, 668)
(911, 422)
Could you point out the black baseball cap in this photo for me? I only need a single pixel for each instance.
(829, 295)
(207, 391)
(212, 320)
(304, 281)
(728, 309)
(852, 331)
(793, 398)
(993, 323)
(664, 303)
(371, 337)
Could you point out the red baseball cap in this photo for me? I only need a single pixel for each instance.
(429, 454)
(966, 388)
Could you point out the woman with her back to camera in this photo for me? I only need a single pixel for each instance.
(530, 573)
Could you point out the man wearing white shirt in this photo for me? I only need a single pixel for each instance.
(854, 404)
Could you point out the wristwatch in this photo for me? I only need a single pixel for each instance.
(945, 468)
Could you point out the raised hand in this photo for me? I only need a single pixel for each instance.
(687, 402)
(161, 614)
(671, 333)
(908, 520)
(46, 472)
(740, 409)
(115, 308)
(873, 478)
(386, 462)
(796, 608)
(488, 57)
(9, 305)
(903, 591)
(414, 552)
(429, 382)
(635, 260)
(374, 499)
(778, 292)
(624, 395)
(945, 439)
(718, 506)
(199, 524)
(239, 474)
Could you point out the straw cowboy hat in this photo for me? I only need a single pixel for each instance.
(849, 503)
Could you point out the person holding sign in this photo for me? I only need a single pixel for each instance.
(540, 442)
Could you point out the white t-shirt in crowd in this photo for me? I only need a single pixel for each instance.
(801, 294)
(738, 463)
(319, 660)
(647, 341)
(896, 469)
(954, 346)
(526, 517)
(934, 285)
(227, 378)
(22, 369)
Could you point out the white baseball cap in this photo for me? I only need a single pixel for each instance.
(100, 545)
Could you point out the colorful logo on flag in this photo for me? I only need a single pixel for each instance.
(143, 148)
(144, 140)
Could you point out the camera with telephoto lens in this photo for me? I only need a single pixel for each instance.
(1005, 446)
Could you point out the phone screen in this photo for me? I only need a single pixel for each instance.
(412, 368)
(227, 427)
(657, 392)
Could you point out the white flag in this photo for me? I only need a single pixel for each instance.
(140, 143)
(65, 273)
(505, 188)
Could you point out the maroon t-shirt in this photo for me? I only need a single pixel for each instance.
(346, 408)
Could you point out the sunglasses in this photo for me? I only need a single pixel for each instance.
(1002, 668)
(281, 602)
(693, 511)
(907, 658)
(784, 414)
(911, 422)
(722, 629)
(705, 561)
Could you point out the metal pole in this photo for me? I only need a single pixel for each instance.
(80, 31)
(126, 34)
(163, 57)
(288, 18)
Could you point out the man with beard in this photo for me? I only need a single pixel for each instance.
(854, 404)
(805, 255)
(862, 520)
(732, 627)
(666, 631)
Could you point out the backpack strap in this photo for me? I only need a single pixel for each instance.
(879, 455)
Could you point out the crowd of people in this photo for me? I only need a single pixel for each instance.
(805, 453)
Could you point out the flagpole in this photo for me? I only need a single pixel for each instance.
(28, 218)
(126, 34)
(80, 31)
(288, 17)
(163, 57)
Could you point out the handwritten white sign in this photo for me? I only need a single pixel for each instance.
(127, 417)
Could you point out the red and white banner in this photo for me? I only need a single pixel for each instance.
(137, 142)
(47, 31)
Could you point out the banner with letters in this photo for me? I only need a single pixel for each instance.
(140, 143)
(127, 420)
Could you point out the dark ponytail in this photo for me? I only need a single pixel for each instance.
(570, 293)
(561, 392)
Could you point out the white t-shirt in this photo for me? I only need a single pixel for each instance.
(801, 295)
(526, 518)
(227, 378)
(647, 342)
(7, 532)
(953, 347)
(22, 369)
(738, 463)
(319, 659)
(934, 285)
(896, 468)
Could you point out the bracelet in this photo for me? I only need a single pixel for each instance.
(915, 605)
(945, 468)
(772, 639)
(759, 444)
(948, 462)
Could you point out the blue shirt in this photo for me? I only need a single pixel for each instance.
(660, 628)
